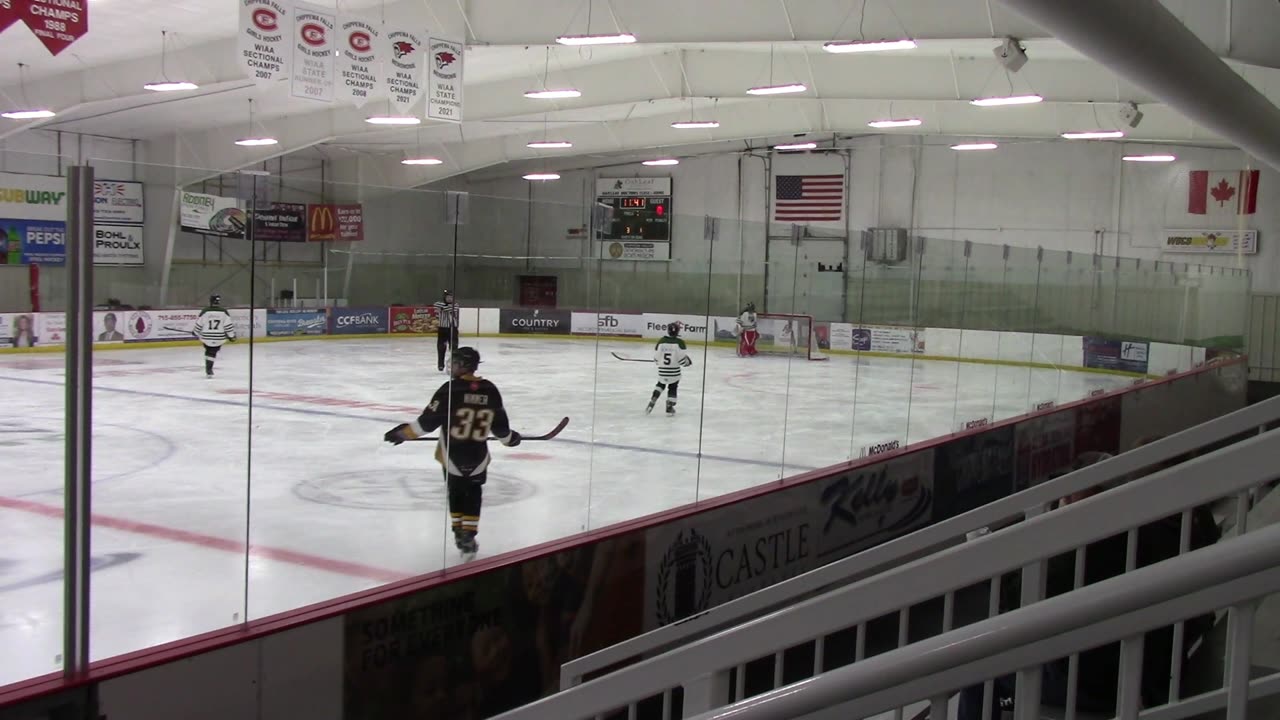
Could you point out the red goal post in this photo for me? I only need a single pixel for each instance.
(788, 334)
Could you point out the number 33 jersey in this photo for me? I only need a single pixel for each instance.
(468, 411)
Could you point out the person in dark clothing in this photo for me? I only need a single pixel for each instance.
(1099, 668)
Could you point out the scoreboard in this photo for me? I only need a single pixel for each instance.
(634, 209)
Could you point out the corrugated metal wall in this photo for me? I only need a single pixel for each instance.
(1263, 343)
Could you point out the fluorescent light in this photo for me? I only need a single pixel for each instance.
(1006, 100)
(542, 176)
(168, 86)
(694, 124)
(975, 146)
(1148, 158)
(619, 39)
(28, 114)
(777, 89)
(905, 122)
(422, 161)
(553, 94)
(796, 146)
(549, 144)
(663, 161)
(1092, 134)
(858, 46)
(392, 120)
(256, 141)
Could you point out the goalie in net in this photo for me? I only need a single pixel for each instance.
(784, 334)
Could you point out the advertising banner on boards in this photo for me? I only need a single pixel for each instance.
(117, 245)
(328, 223)
(283, 322)
(1123, 355)
(18, 330)
(417, 320)
(357, 321)
(887, 339)
(212, 215)
(614, 324)
(118, 202)
(1211, 242)
(282, 222)
(34, 242)
(535, 321)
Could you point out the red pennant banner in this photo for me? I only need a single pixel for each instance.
(57, 23)
(8, 14)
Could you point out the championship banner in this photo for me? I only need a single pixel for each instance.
(314, 29)
(358, 67)
(327, 223)
(118, 202)
(634, 250)
(8, 16)
(444, 80)
(418, 320)
(1222, 242)
(283, 222)
(403, 69)
(263, 39)
(212, 215)
(56, 23)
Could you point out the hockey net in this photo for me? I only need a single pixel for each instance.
(787, 334)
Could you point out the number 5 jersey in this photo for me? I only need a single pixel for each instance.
(467, 410)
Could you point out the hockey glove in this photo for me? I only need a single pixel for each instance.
(399, 434)
(512, 440)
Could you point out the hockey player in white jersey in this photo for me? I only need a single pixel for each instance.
(670, 355)
(214, 328)
(747, 332)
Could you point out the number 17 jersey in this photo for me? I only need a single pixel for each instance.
(467, 410)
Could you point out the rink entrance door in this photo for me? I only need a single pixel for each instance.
(806, 275)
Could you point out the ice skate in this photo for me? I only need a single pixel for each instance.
(671, 409)
(468, 548)
(648, 409)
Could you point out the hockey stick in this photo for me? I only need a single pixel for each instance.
(627, 359)
(178, 330)
(526, 438)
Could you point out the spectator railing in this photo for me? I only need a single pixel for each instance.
(1251, 419)
(710, 671)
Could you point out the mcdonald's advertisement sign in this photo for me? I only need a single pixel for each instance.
(328, 223)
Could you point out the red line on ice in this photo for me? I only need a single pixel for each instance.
(340, 567)
(317, 400)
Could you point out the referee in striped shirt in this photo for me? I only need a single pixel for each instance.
(447, 332)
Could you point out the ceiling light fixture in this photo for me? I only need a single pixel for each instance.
(904, 122)
(615, 39)
(542, 176)
(777, 89)
(975, 146)
(392, 120)
(553, 94)
(694, 124)
(796, 146)
(1006, 100)
(860, 46)
(252, 139)
(662, 161)
(422, 161)
(29, 112)
(1092, 134)
(165, 84)
(1149, 158)
(549, 144)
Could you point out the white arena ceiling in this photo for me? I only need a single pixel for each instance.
(694, 58)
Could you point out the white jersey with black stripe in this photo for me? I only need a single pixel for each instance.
(214, 327)
(670, 355)
(447, 314)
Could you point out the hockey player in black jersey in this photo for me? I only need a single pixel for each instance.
(468, 411)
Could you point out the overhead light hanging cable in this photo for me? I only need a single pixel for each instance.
(166, 84)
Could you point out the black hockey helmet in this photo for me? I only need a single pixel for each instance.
(751, 307)
(465, 360)
(673, 329)
(447, 295)
(215, 300)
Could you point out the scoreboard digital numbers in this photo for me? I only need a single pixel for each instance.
(636, 209)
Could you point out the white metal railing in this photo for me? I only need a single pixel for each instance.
(706, 668)
(1235, 573)
(919, 543)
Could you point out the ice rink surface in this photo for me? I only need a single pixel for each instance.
(180, 471)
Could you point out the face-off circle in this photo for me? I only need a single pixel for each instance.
(401, 489)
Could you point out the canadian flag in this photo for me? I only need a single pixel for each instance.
(1231, 192)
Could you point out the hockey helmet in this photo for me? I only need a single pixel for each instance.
(673, 330)
(215, 300)
(751, 307)
(465, 360)
(447, 296)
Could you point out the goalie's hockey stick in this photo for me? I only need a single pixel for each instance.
(627, 359)
(526, 438)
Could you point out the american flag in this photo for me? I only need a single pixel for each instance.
(808, 198)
